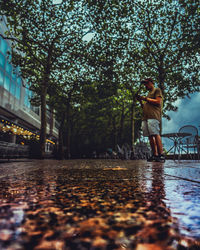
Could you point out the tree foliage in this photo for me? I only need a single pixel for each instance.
(46, 38)
(167, 32)
(92, 82)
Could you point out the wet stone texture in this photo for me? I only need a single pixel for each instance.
(99, 204)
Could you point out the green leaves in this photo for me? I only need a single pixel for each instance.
(131, 40)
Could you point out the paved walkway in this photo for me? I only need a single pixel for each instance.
(99, 204)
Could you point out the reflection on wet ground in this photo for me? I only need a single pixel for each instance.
(182, 187)
(99, 204)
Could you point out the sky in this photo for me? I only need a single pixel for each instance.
(57, 1)
(188, 113)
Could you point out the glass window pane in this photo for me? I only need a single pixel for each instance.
(14, 74)
(19, 81)
(2, 60)
(4, 46)
(18, 88)
(35, 109)
(8, 68)
(18, 92)
(12, 88)
(1, 41)
(1, 78)
(26, 98)
(8, 54)
(7, 83)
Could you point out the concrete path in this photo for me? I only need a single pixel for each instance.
(100, 204)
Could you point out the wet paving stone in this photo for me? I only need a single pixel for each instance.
(94, 204)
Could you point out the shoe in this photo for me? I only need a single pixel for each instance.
(160, 158)
(153, 158)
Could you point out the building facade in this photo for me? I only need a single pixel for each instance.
(18, 118)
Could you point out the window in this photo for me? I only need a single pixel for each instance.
(2, 61)
(3, 46)
(8, 68)
(18, 88)
(18, 92)
(8, 75)
(7, 83)
(14, 74)
(27, 98)
(1, 78)
(12, 88)
(57, 124)
(35, 109)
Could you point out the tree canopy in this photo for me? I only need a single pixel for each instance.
(45, 37)
(99, 76)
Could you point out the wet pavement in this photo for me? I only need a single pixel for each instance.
(100, 204)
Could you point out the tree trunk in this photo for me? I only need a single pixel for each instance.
(121, 129)
(51, 123)
(43, 94)
(60, 140)
(133, 112)
(68, 153)
(60, 145)
(114, 132)
(162, 76)
(43, 122)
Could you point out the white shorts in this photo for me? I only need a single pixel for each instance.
(151, 127)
